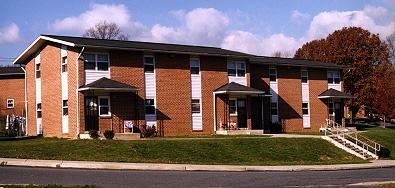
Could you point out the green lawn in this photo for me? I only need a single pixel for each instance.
(383, 136)
(232, 150)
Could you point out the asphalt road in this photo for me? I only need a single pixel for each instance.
(122, 178)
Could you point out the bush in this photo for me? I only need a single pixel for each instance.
(148, 131)
(384, 152)
(109, 134)
(94, 134)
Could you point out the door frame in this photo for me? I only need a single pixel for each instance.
(91, 116)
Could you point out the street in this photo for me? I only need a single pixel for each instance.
(122, 178)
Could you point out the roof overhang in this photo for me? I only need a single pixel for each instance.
(336, 97)
(35, 46)
(241, 92)
(334, 94)
(108, 89)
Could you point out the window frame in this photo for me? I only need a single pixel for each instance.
(304, 108)
(274, 108)
(331, 107)
(39, 114)
(63, 64)
(273, 75)
(193, 67)
(12, 103)
(146, 71)
(304, 78)
(104, 106)
(232, 106)
(332, 78)
(194, 103)
(37, 68)
(237, 67)
(65, 107)
(150, 106)
(96, 61)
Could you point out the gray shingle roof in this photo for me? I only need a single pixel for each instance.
(108, 84)
(293, 62)
(333, 93)
(237, 88)
(10, 70)
(150, 46)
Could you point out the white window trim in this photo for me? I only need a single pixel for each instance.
(109, 106)
(200, 108)
(301, 76)
(308, 109)
(154, 114)
(237, 63)
(36, 70)
(190, 65)
(63, 107)
(274, 68)
(153, 61)
(333, 72)
(13, 103)
(233, 114)
(96, 67)
(63, 63)
(41, 110)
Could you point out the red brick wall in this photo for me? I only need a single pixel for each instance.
(214, 75)
(173, 93)
(290, 98)
(31, 97)
(12, 87)
(318, 110)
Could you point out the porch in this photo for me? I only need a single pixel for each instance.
(234, 111)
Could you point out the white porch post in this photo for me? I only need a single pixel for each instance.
(215, 112)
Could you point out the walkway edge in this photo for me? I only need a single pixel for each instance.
(186, 167)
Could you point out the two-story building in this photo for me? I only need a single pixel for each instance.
(12, 96)
(77, 84)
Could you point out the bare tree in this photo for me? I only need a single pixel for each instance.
(105, 30)
(281, 54)
(391, 47)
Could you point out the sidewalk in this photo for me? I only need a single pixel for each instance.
(186, 167)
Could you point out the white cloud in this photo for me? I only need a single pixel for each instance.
(250, 43)
(116, 13)
(369, 18)
(299, 17)
(9, 34)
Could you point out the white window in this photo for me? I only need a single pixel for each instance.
(195, 106)
(104, 106)
(232, 106)
(149, 64)
(64, 64)
(274, 108)
(333, 77)
(39, 111)
(304, 76)
(150, 106)
(38, 70)
(195, 66)
(273, 74)
(96, 61)
(305, 108)
(10, 103)
(65, 107)
(237, 69)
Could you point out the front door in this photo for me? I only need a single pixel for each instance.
(91, 114)
(338, 112)
(241, 113)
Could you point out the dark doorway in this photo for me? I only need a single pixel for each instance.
(338, 112)
(91, 114)
(241, 113)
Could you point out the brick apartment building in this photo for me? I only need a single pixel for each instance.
(79, 84)
(12, 97)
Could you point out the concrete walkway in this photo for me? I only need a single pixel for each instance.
(186, 167)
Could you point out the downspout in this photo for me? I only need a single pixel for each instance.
(25, 93)
(76, 91)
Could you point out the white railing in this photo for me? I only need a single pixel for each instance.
(335, 129)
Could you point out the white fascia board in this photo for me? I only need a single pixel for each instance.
(37, 43)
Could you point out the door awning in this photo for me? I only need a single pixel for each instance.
(105, 84)
(333, 93)
(235, 88)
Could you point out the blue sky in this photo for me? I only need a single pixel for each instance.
(260, 27)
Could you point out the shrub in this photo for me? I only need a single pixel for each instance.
(109, 134)
(94, 134)
(384, 152)
(148, 131)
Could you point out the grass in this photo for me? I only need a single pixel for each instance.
(383, 136)
(232, 150)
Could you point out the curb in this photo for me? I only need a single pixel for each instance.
(186, 167)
